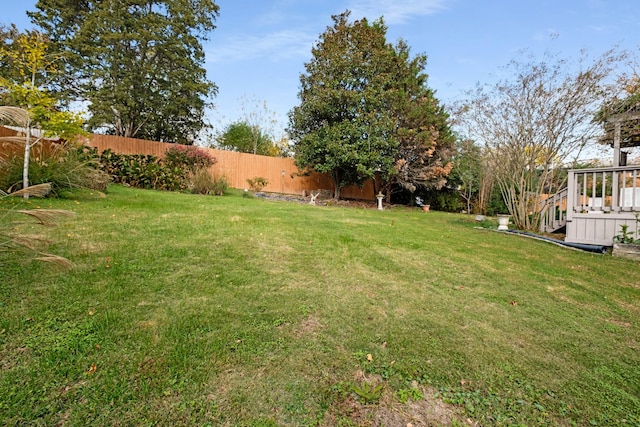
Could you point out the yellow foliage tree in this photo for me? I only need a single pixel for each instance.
(30, 63)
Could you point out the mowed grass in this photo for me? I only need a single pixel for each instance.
(194, 310)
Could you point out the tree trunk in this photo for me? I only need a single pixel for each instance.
(25, 165)
(335, 176)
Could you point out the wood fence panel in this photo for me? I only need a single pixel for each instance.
(10, 148)
(7, 132)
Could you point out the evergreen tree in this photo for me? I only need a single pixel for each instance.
(365, 108)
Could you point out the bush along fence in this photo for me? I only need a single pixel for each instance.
(175, 171)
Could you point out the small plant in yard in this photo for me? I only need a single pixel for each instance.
(407, 394)
(201, 181)
(257, 183)
(367, 392)
(220, 185)
(627, 236)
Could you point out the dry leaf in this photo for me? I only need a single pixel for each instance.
(369, 357)
(92, 369)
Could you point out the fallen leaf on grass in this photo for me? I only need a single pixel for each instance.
(92, 369)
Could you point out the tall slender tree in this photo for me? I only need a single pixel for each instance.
(138, 64)
(23, 85)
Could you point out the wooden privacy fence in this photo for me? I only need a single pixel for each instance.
(281, 173)
(7, 132)
(16, 148)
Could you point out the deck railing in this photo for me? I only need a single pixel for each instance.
(603, 190)
(554, 212)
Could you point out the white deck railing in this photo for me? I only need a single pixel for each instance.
(603, 190)
(553, 215)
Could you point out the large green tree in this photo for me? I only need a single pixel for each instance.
(365, 108)
(242, 137)
(138, 64)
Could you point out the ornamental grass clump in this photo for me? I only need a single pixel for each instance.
(63, 166)
(11, 240)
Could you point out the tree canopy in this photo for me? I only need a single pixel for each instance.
(242, 137)
(137, 64)
(365, 108)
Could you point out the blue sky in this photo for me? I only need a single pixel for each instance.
(259, 47)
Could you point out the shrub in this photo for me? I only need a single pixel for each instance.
(445, 199)
(201, 182)
(180, 169)
(64, 166)
(135, 170)
(257, 183)
(220, 185)
(187, 157)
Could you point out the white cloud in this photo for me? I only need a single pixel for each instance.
(275, 46)
(395, 12)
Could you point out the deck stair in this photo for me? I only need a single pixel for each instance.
(553, 217)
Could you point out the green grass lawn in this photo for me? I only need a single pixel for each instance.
(195, 310)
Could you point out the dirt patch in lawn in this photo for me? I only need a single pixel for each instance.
(430, 411)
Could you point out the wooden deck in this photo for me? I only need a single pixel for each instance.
(598, 201)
